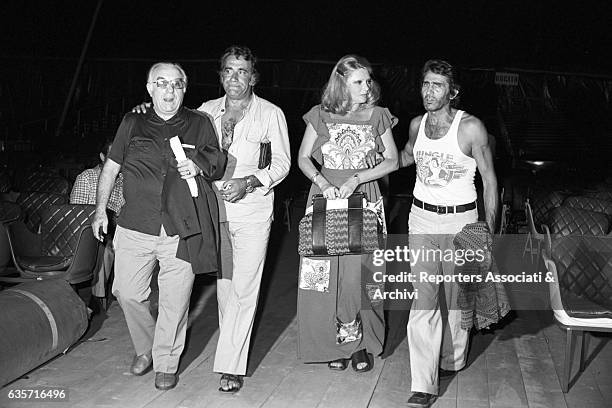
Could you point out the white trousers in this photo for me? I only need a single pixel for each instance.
(136, 255)
(430, 344)
(243, 254)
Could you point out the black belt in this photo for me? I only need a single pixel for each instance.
(441, 209)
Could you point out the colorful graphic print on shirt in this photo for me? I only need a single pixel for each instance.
(435, 169)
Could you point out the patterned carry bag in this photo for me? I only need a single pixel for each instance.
(350, 230)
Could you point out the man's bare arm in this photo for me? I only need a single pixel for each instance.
(481, 152)
(406, 156)
(106, 182)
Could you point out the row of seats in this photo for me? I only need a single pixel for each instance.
(50, 238)
(38, 191)
(64, 248)
(545, 201)
(558, 214)
(575, 242)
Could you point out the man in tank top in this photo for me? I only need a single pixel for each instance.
(447, 145)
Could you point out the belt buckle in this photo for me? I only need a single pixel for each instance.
(441, 210)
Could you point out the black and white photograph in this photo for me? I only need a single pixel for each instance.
(306, 204)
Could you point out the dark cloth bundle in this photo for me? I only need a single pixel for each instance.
(486, 302)
(265, 155)
(351, 230)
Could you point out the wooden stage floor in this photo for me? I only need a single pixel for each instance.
(517, 365)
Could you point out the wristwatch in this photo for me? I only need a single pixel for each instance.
(249, 184)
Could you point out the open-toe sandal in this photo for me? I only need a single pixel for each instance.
(339, 364)
(234, 383)
(361, 357)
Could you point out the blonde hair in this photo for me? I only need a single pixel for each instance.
(336, 97)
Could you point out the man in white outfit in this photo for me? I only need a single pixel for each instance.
(246, 199)
(455, 140)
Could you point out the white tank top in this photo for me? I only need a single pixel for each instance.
(445, 175)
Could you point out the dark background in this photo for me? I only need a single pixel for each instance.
(559, 115)
(558, 35)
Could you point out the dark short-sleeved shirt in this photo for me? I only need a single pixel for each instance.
(142, 148)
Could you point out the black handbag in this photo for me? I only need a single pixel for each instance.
(265, 155)
(351, 230)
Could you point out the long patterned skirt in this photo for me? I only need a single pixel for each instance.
(336, 316)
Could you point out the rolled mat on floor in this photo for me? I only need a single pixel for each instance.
(38, 321)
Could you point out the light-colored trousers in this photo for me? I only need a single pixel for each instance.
(136, 255)
(426, 334)
(243, 254)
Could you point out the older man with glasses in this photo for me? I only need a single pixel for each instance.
(170, 216)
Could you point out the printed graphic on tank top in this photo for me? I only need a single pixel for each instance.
(445, 175)
(436, 169)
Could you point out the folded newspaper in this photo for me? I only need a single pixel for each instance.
(179, 153)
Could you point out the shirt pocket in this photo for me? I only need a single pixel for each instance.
(140, 146)
(257, 133)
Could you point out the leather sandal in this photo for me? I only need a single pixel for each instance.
(360, 357)
(339, 364)
(234, 382)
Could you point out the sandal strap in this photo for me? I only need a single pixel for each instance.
(339, 363)
(237, 379)
(361, 357)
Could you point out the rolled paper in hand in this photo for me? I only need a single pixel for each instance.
(179, 153)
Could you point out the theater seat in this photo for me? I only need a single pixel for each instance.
(532, 236)
(55, 185)
(590, 204)
(34, 203)
(542, 203)
(65, 248)
(605, 195)
(46, 180)
(569, 221)
(581, 291)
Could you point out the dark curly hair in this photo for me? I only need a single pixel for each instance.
(240, 51)
(445, 69)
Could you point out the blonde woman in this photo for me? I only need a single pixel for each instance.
(338, 321)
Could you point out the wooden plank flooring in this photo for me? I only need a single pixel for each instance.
(518, 365)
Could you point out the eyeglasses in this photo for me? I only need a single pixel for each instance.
(175, 83)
